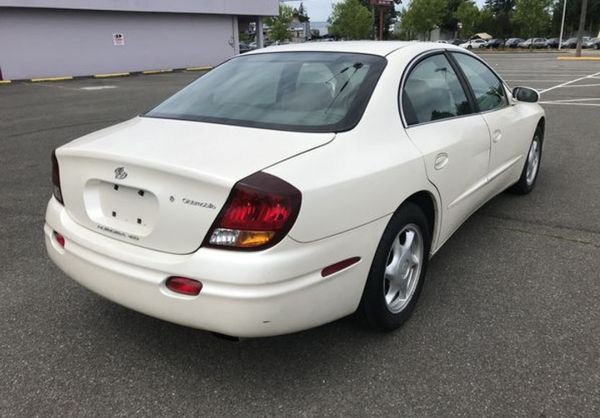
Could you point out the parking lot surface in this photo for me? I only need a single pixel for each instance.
(508, 323)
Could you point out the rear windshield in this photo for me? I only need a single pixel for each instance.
(294, 91)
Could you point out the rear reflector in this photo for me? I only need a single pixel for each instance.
(60, 239)
(341, 265)
(184, 286)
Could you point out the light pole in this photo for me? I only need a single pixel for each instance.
(562, 24)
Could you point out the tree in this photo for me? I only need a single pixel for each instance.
(498, 18)
(350, 20)
(449, 20)
(280, 24)
(422, 16)
(468, 15)
(572, 17)
(532, 17)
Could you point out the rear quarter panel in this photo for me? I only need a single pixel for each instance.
(363, 174)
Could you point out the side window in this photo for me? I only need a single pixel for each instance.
(488, 89)
(432, 91)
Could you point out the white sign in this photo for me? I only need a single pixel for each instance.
(118, 39)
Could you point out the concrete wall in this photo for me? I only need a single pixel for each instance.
(233, 7)
(50, 42)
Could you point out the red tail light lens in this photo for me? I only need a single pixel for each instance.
(184, 286)
(56, 179)
(260, 211)
(60, 239)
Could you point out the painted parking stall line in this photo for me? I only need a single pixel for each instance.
(569, 82)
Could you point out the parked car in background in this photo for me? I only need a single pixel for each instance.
(474, 44)
(494, 43)
(572, 42)
(513, 42)
(458, 41)
(551, 43)
(245, 47)
(533, 43)
(593, 43)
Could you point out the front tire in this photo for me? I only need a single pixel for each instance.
(398, 270)
(531, 169)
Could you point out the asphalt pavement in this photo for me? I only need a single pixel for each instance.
(508, 323)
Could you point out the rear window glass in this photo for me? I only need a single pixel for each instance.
(299, 91)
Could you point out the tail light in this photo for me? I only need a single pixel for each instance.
(259, 212)
(56, 179)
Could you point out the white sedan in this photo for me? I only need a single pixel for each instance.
(474, 43)
(292, 186)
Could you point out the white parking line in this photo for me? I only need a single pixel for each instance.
(570, 82)
(529, 80)
(571, 104)
(588, 99)
(98, 87)
(582, 85)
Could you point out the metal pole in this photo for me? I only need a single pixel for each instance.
(260, 38)
(381, 23)
(562, 25)
(581, 27)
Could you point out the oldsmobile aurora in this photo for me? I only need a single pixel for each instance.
(292, 186)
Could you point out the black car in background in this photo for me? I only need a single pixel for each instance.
(495, 43)
(513, 42)
(552, 43)
(457, 41)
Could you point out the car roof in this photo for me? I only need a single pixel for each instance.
(381, 48)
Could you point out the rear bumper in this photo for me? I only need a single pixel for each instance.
(272, 292)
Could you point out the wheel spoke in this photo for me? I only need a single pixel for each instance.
(409, 239)
(415, 260)
(392, 291)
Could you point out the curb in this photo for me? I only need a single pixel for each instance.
(156, 71)
(110, 75)
(37, 80)
(578, 58)
(199, 68)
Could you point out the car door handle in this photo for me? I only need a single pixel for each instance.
(440, 161)
(497, 136)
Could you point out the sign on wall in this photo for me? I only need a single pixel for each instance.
(118, 39)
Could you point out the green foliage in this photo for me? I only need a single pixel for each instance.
(280, 25)
(449, 21)
(532, 17)
(498, 18)
(592, 23)
(351, 20)
(468, 15)
(422, 16)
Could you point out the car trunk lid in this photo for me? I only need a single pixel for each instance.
(161, 183)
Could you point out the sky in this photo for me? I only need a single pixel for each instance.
(319, 10)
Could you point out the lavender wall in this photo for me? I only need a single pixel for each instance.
(50, 42)
(234, 7)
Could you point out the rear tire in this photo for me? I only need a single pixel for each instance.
(398, 270)
(531, 169)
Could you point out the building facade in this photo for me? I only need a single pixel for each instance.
(54, 38)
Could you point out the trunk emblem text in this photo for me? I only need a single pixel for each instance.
(120, 173)
(199, 204)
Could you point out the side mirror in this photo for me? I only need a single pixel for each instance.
(525, 94)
